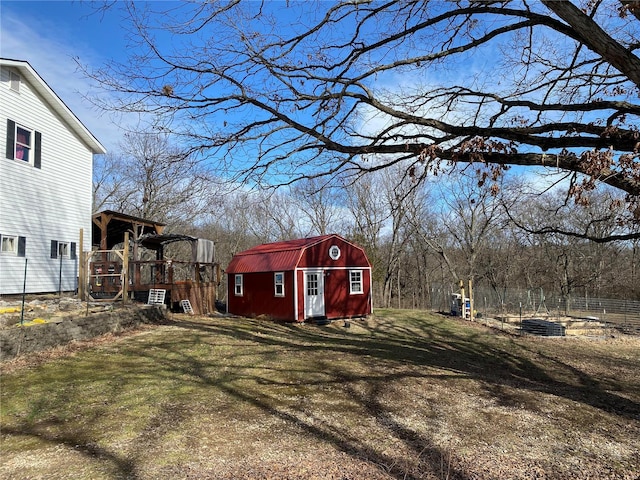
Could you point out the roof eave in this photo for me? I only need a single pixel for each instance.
(55, 102)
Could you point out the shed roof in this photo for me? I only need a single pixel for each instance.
(272, 257)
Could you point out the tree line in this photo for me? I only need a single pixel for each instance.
(496, 141)
(418, 235)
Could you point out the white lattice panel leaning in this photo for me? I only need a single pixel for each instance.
(156, 296)
(186, 306)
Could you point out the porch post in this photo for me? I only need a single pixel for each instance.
(125, 269)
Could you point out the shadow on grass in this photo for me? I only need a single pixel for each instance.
(425, 347)
(47, 432)
(415, 347)
(430, 345)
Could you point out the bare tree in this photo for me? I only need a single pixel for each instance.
(570, 263)
(108, 182)
(279, 91)
(370, 213)
(319, 205)
(152, 178)
(273, 216)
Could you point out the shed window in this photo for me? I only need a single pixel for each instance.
(238, 285)
(278, 282)
(355, 281)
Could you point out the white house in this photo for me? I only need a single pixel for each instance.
(46, 167)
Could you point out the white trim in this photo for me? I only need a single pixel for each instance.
(235, 285)
(370, 293)
(295, 294)
(353, 267)
(52, 99)
(319, 271)
(361, 282)
(275, 285)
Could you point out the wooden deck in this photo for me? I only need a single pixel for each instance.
(196, 282)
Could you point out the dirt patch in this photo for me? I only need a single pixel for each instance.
(67, 321)
(44, 308)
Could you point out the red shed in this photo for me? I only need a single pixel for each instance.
(323, 277)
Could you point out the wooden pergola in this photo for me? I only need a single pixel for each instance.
(109, 228)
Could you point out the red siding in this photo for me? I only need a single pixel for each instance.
(258, 264)
(339, 303)
(318, 255)
(259, 298)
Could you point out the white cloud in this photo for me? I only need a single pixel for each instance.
(51, 49)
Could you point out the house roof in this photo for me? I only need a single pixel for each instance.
(57, 105)
(272, 257)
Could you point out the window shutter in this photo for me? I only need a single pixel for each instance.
(54, 249)
(73, 250)
(22, 246)
(37, 156)
(11, 138)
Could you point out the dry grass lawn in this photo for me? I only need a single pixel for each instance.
(401, 395)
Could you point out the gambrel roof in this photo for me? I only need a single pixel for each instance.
(271, 257)
(54, 102)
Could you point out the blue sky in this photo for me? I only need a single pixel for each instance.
(49, 35)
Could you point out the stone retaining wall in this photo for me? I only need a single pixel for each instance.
(21, 340)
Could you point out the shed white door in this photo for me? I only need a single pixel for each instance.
(314, 294)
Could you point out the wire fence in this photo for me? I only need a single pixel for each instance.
(620, 314)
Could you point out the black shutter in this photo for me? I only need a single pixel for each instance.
(11, 138)
(37, 157)
(73, 250)
(54, 249)
(22, 246)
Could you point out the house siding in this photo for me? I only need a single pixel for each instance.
(52, 202)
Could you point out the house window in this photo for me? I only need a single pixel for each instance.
(238, 285)
(12, 245)
(355, 281)
(23, 144)
(9, 244)
(63, 249)
(278, 281)
(14, 81)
